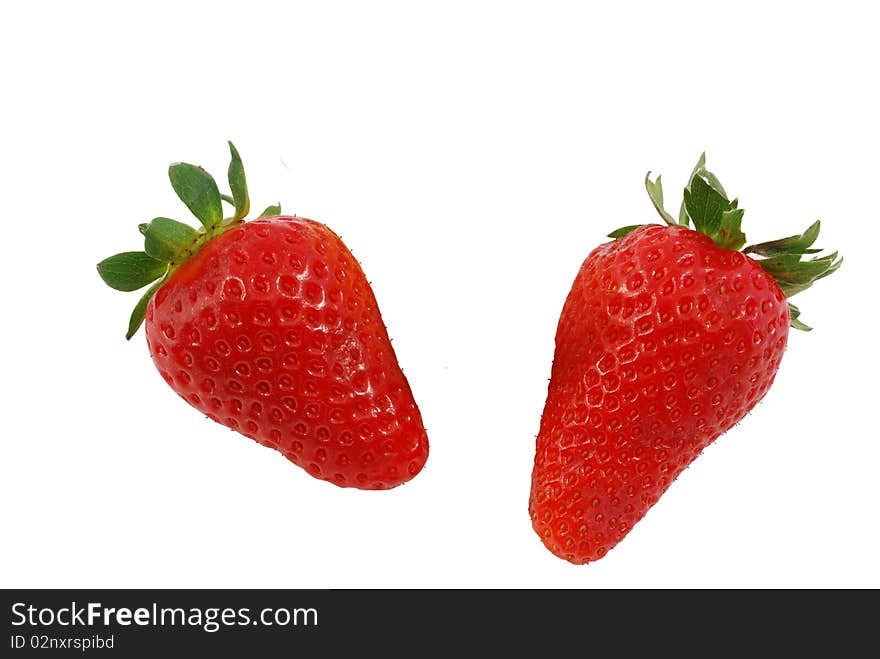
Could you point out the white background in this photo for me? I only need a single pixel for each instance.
(471, 154)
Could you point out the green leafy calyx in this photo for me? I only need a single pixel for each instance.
(707, 208)
(168, 243)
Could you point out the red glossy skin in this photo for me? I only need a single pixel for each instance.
(664, 343)
(273, 330)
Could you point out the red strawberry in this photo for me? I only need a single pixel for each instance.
(271, 328)
(668, 338)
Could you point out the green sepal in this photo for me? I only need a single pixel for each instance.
(621, 232)
(701, 164)
(140, 309)
(729, 234)
(792, 245)
(794, 312)
(655, 192)
(270, 211)
(228, 199)
(198, 190)
(166, 239)
(129, 271)
(683, 218)
(794, 275)
(713, 181)
(704, 205)
(238, 184)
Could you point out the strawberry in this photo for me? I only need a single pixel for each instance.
(668, 337)
(270, 327)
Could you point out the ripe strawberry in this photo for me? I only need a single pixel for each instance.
(668, 338)
(271, 328)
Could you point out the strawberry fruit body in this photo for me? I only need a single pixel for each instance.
(669, 336)
(271, 328)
